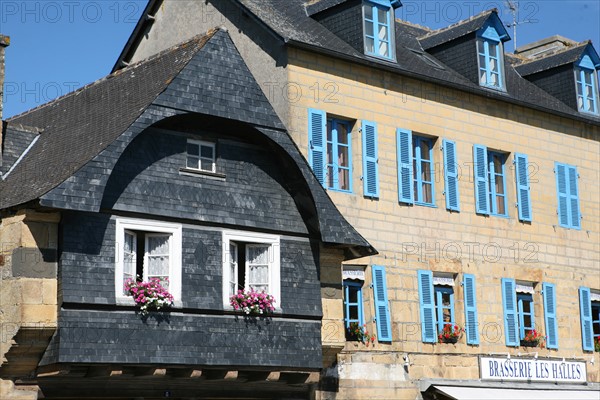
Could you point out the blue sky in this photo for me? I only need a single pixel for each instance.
(58, 46)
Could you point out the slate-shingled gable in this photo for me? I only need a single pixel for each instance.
(76, 127)
(566, 56)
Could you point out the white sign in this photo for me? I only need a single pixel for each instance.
(532, 370)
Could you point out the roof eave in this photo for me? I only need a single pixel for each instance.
(482, 92)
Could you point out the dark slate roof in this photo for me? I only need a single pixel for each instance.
(15, 141)
(454, 31)
(77, 126)
(290, 21)
(316, 6)
(566, 56)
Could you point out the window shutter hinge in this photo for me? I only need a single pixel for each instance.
(371, 286)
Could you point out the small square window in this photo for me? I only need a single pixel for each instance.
(201, 156)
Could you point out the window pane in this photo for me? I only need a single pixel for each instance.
(206, 165)
(368, 12)
(258, 254)
(382, 15)
(383, 33)
(494, 79)
(342, 133)
(369, 28)
(383, 49)
(192, 162)
(343, 156)
(482, 77)
(493, 50)
(207, 152)
(344, 179)
(580, 102)
(353, 295)
(329, 153)
(158, 245)
(370, 45)
(587, 75)
(354, 312)
(193, 149)
(425, 146)
(329, 131)
(427, 195)
(480, 47)
(259, 276)
(330, 176)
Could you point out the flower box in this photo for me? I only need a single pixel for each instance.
(149, 296)
(252, 302)
(533, 339)
(359, 333)
(451, 333)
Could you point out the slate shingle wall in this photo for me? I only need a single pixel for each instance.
(460, 55)
(125, 338)
(346, 22)
(559, 82)
(147, 179)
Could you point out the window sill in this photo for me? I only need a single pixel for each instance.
(494, 88)
(197, 172)
(382, 58)
(340, 190)
(425, 204)
(128, 301)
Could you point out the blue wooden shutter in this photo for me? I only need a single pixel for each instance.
(451, 175)
(382, 310)
(549, 294)
(573, 197)
(482, 196)
(405, 166)
(523, 189)
(427, 303)
(370, 161)
(317, 128)
(509, 302)
(471, 324)
(585, 310)
(562, 192)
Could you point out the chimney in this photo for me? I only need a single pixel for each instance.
(544, 47)
(4, 42)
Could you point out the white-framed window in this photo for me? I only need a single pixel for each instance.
(150, 249)
(251, 261)
(201, 156)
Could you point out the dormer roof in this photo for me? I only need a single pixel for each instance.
(487, 19)
(568, 55)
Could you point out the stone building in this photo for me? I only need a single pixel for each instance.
(472, 171)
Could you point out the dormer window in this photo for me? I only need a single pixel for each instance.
(490, 55)
(586, 81)
(377, 28)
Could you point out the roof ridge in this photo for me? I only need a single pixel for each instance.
(554, 53)
(454, 25)
(404, 22)
(208, 35)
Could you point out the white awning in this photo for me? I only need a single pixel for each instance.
(443, 280)
(594, 296)
(477, 393)
(353, 273)
(524, 288)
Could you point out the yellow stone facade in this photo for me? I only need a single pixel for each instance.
(409, 238)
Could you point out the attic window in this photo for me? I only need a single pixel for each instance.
(377, 28)
(586, 81)
(490, 59)
(201, 156)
